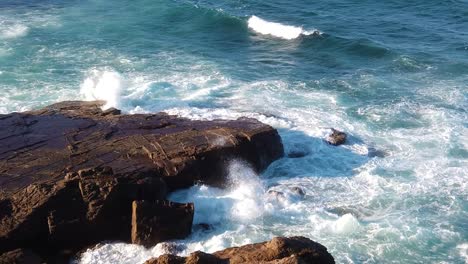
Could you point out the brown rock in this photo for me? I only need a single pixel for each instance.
(336, 137)
(20, 256)
(154, 222)
(70, 172)
(279, 250)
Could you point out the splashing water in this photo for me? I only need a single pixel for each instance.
(103, 85)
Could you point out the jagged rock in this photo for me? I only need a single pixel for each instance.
(336, 137)
(20, 256)
(154, 222)
(279, 250)
(70, 171)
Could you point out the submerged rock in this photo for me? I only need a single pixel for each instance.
(372, 152)
(70, 172)
(298, 191)
(279, 250)
(204, 226)
(336, 137)
(294, 154)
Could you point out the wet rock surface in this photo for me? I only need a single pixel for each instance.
(279, 250)
(70, 172)
(336, 137)
(154, 222)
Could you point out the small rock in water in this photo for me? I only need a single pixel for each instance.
(275, 193)
(298, 191)
(276, 196)
(336, 138)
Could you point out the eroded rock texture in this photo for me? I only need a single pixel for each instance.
(70, 172)
(154, 222)
(336, 137)
(279, 250)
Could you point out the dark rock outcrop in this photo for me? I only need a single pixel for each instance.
(279, 250)
(70, 172)
(154, 222)
(336, 137)
(20, 256)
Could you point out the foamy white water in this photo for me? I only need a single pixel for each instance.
(277, 29)
(12, 31)
(350, 201)
(103, 85)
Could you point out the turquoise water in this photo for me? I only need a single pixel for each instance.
(393, 75)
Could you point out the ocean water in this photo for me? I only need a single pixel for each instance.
(392, 74)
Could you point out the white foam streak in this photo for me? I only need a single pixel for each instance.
(277, 29)
(103, 85)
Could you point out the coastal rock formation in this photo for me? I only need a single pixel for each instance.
(159, 221)
(70, 172)
(336, 137)
(279, 250)
(20, 256)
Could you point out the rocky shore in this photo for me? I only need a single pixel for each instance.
(279, 250)
(73, 175)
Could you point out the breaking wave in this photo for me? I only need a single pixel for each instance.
(277, 29)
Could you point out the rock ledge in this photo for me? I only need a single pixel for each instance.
(279, 250)
(70, 172)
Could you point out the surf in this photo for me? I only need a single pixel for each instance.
(278, 30)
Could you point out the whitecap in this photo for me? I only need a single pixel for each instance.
(277, 29)
(13, 31)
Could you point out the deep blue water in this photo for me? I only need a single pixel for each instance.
(393, 74)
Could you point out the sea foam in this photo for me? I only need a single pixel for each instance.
(103, 85)
(12, 31)
(277, 29)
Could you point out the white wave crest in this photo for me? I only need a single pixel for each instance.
(12, 31)
(277, 29)
(103, 85)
